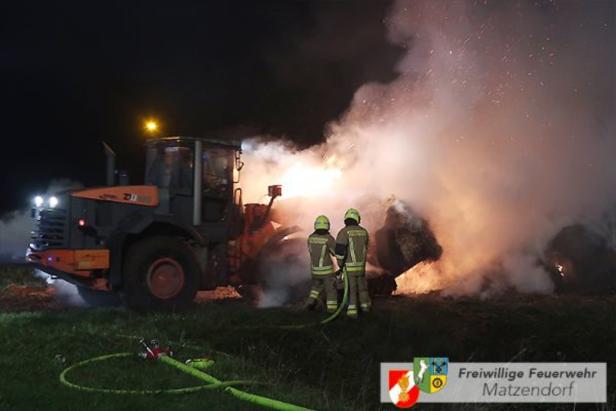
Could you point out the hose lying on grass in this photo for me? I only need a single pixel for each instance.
(345, 300)
(211, 383)
(196, 370)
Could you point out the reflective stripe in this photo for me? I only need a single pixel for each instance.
(323, 249)
(355, 269)
(322, 270)
(356, 233)
(339, 257)
(323, 264)
(352, 250)
(317, 240)
(365, 306)
(314, 294)
(353, 234)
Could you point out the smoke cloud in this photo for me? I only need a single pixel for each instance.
(15, 226)
(15, 230)
(499, 130)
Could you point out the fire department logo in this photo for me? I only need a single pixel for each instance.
(405, 382)
(402, 388)
(431, 373)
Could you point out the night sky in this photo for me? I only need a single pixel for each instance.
(76, 73)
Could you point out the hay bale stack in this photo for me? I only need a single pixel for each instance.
(405, 240)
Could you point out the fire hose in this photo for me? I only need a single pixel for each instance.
(332, 317)
(345, 300)
(196, 369)
(193, 368)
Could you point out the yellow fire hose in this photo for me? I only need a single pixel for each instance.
(345, 300)
(211, 383)
(196, 370)
(332, 317)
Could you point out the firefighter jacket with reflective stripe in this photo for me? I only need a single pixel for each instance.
(321, 248)
(352, 248)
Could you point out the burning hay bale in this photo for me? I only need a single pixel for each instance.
(400, 239)
(405, 240)
(581, 260)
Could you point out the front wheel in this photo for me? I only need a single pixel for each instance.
(160, 272)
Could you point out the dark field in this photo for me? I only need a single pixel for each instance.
(328, 367)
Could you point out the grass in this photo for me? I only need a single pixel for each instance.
(335, 367)
(20, 274)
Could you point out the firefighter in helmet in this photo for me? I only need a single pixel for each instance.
(351, 251)
(321, 247)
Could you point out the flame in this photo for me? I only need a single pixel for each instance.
(310, 180)
(561, 269)
(419, 279)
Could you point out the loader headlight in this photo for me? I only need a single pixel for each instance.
(38, 201)
(53, 201)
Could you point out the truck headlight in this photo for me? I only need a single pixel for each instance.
(53, 201)
(38, 201)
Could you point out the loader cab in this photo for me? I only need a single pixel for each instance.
(195, 177)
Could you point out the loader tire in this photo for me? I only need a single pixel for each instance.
(160, 272)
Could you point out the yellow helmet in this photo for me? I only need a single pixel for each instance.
(321, 223)
(352, 214)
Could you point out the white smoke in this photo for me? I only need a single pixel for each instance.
(15, 230)
(64, 292)
(499, 130)
(16, 226)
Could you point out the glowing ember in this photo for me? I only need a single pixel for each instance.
(561, 270)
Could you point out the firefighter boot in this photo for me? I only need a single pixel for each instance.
(313, 297)
(331, 294)
(364, 297)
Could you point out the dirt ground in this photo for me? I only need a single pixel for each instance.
(18, 298)
(21, 298)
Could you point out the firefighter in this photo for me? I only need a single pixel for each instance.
(351, 251)
(321, 247)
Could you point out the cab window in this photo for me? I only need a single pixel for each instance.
(170, 167)
(216, 174)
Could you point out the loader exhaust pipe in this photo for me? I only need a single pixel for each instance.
(198, 182)
(110, 155)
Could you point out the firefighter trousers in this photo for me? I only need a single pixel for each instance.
(358, 294)
(324, 284)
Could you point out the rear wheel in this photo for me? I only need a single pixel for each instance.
(160, 272)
